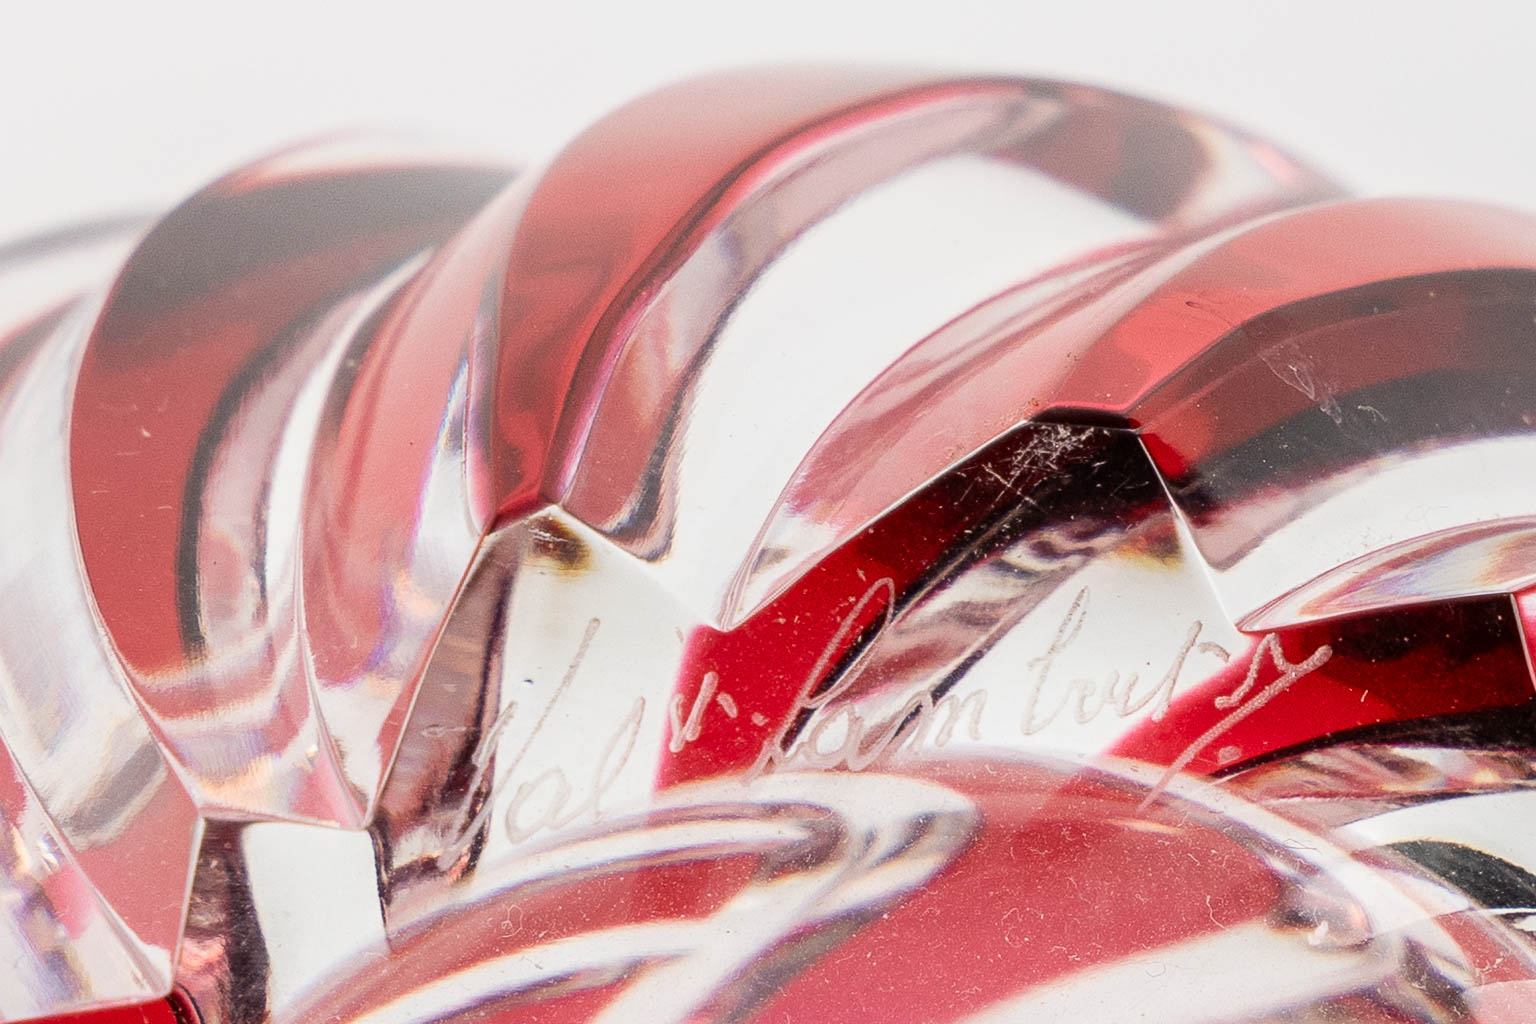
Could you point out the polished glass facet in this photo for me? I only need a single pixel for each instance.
(823, 547)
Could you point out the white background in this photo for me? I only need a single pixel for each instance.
(129, 105)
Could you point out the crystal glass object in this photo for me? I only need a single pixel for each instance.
(826, 546)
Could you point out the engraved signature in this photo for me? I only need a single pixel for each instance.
(1089, 699)
(834, 734)
(525, 817)
(857, 743)
(1290, 674)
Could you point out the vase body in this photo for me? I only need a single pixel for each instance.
(824, 546)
